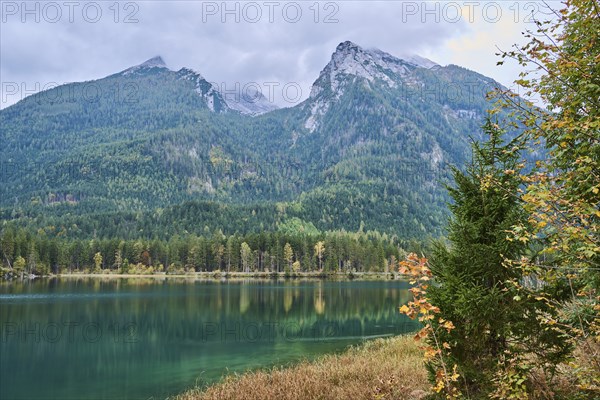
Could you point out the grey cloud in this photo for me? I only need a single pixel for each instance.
(222, 52)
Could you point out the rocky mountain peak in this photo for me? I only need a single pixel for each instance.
(154, 62)
(350, 62)
(349, 59)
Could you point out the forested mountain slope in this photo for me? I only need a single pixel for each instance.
(370, 147)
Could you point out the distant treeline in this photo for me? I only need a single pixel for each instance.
(26, 252)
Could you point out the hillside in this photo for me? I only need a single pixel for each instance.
(369, 148)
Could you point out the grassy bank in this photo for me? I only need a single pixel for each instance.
(381, 369)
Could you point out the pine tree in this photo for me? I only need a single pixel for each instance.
(7, 246)
(473, 287)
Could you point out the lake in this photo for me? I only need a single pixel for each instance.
(150, 338)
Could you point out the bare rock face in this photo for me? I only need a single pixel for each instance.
(351, 62)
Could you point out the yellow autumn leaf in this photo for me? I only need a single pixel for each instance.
(448, 325)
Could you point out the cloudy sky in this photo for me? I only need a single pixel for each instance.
(43, 44)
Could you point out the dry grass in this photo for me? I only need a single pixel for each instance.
(577, 379)
(380, 369)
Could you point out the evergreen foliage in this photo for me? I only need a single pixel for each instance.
(23, 251)
(142, 147)
(494, 319)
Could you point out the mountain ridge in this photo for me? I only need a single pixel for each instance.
(369, 147)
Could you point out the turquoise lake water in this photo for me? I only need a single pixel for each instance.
(152, 338)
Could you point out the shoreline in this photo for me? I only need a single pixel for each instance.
(223, 276)
(219, 276)
(390, 368)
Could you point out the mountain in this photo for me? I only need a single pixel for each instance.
(167, 151)
(350, 63)
(250, 101)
